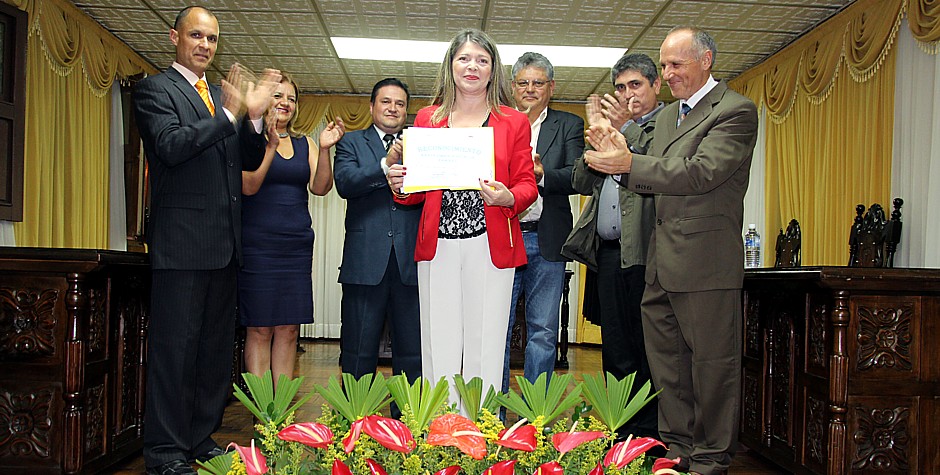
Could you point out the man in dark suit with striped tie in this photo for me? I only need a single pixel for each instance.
(378, 273)
(196, 145)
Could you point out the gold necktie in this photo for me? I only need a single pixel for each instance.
(203, 89)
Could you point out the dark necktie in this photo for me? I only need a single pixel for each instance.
(683, 111)
(389, 140)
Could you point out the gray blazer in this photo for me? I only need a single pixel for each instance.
(636, 218)
(375, 224)
(699, 173)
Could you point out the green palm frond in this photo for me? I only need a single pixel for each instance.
(267, 404)
(471, 393)
(357, 398)
(425, 401)
(219, 465)
(542, 398)
(612, 402)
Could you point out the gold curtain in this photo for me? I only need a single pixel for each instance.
(924, 20)
(71, 63)
(830, 100)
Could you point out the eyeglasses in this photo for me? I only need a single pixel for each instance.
(524, 83)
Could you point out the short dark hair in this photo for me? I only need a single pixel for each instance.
(534, 60)
(185, 13)
(638, 62)
(389, 82)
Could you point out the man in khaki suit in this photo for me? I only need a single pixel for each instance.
(697, 166)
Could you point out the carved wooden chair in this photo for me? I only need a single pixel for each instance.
(874, 238)
(787, 250)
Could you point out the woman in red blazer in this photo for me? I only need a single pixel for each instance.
(469, 242)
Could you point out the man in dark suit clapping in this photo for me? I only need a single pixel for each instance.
(697, 166)
(196, 145)
(557, 140)
(378, 273)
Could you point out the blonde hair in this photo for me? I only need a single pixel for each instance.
(287, 79)
(497, 91)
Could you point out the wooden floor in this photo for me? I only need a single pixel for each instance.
(319, 362)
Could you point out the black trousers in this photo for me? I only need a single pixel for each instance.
(365, 309)
(623, 351)
(190, 344)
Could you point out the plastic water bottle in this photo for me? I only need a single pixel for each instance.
(751, 247)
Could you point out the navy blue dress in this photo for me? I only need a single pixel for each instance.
(274, 286)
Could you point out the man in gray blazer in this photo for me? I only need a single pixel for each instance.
(612, 235)
(557, 140)
(378, 272)
(697, 166)
(196, 147)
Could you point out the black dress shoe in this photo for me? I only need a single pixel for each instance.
(211, 454)
(173, 467)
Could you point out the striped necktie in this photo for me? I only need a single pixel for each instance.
(203, 89)
(684, 110)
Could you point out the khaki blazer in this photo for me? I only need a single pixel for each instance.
(699, 173)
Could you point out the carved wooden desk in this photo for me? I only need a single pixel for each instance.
(72, 331)
(842, 369)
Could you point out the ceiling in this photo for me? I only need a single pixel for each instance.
(293, 35)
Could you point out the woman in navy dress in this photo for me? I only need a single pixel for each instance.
(275, 288)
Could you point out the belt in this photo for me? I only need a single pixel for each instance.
(529, 226)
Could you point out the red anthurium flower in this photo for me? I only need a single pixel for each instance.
(454, 430)
(519, 438)
(565, 442)
(390, 433)
(349, 443)
(624, 452)
(452, 470)
(310, 434)
(375, 468)
(255, 463)
(598, 470)
(340, 468)
(550, 468)
(501, 468)
(665, 464)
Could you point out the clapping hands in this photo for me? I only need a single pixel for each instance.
(241, 91)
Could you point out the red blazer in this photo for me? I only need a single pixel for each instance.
(513, 152)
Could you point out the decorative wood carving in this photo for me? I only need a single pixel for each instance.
(817, 335)
(751, 403)
(816, 430)
(752, 340)
(94, 421)
(97, 330)
(862, 385)
(873, 239)
(781, 337)
(27, 323)
(882, 441)
(884, 338)
(27, 418)
(72, 405)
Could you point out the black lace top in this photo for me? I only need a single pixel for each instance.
(462, 213)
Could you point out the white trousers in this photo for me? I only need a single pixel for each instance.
(464, 302)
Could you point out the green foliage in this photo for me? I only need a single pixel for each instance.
(357, 398)
(541, 399)
(217, 466)
(267, 404)
(612, 402)
(424, 401)
(471, 392)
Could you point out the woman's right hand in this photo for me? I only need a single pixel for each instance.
(396, 177)
(273, 139)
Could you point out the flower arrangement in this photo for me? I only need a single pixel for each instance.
(351, 438)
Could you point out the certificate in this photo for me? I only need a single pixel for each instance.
(447, 158)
